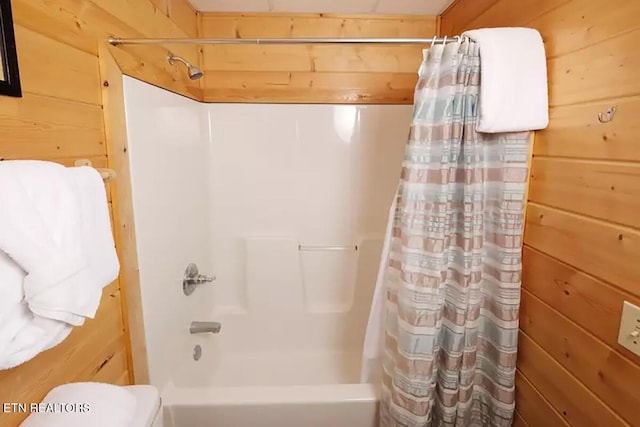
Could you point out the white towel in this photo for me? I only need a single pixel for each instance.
(514, 91)
(22, 335)
(40, 224)
(81, 295)
(85, 404)
(57, 254)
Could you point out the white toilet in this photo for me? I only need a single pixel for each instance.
(148, 406)
(98, 405)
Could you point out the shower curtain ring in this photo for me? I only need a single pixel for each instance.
(444, 42)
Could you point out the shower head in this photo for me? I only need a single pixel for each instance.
(194, 72)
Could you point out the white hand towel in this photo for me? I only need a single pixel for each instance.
(55, 229)
(22, 335)
(83, 294)
(85, 404)
(96, 225)
(41, 229)
(514, 90)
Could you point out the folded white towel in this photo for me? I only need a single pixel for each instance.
(96, 226)
(22, 335)
(514, 90)
(84, 404)
(41, 228)
(80, 296)
(55, 229)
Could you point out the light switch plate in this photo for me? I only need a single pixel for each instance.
(629, 336)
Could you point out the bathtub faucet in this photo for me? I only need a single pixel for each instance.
(204, 327)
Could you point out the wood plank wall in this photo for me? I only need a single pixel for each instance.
(60, 118)
(316, 73)
(582, 239)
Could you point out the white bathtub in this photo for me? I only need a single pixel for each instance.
(261, 196)
(310, 390)
(339, 405)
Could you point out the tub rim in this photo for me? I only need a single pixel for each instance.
(266, 395)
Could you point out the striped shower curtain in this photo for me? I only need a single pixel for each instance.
(452, 278)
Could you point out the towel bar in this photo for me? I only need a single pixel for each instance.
(327, 248)
(107, 175)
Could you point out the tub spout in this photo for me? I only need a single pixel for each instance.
(204, 327)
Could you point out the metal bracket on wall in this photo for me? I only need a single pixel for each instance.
(607, 116)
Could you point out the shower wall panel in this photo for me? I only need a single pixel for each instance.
(169, 158)
(300, 196)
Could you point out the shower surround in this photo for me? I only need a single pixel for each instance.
(286, 205)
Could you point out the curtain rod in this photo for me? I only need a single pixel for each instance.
(115, 41)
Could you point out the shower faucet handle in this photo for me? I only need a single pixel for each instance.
(201, 278)
(192, 278)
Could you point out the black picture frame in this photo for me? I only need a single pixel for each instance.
(10, 76)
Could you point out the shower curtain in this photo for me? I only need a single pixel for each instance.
(452, 276)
